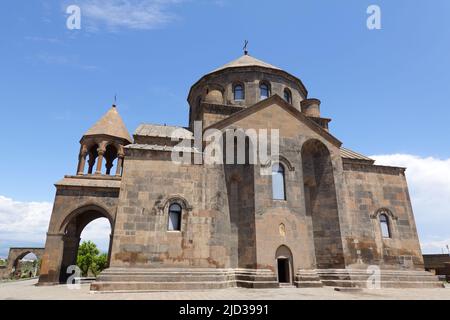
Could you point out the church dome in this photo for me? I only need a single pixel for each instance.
(214, 97)
(244, 82)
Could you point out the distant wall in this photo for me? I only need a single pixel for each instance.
(439, 264)
(2, 271)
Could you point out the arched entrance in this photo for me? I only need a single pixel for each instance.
(23, 262)
(72, 229)
(26, 265)
(285, 264)
(321, 204)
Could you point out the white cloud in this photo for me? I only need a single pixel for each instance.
(130, 14)
(63, 60)
(42, 39)
(26, 224)
(98, 231)
(429, 186)
(439, 246)
(21, 221)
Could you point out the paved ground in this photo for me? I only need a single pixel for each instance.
(24, 290)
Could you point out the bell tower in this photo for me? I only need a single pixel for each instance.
(102, 146)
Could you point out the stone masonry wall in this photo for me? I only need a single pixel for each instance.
(149, 184)
(368, 189)
(285, 222)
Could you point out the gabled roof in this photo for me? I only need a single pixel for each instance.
(349, 154)
(158, 147)
(276, 99)
(110, 124)
(246, 61)
(160, 131)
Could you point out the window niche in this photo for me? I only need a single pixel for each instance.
(264, 90)
(384, 226)
(238, 92)
(288, 96)
(175, 214)
(278, 182)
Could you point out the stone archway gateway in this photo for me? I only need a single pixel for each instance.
(16, 254)
(62, 247)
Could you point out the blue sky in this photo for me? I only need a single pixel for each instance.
(386, 90)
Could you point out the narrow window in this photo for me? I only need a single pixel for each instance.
(239, 94)
(384, 224)
(174, 217)
(264, 91)
(288, 96)
(278, 186)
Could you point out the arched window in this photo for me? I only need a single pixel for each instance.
(264, 89)
(278, 186)
(239, 93)
(175, 211)
(288, 96)
(384, 224)
(110, 157)
(92, 154)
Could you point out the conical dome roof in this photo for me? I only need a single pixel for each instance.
(110, 124)
(246, 61)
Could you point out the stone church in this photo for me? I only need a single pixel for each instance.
(326, 216)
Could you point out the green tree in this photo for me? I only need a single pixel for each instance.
(89, 259)
(101, 263)
(88, 256)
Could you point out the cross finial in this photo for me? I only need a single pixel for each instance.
(245, 47)
(115, 100)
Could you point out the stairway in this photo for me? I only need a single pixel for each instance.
(348, 278)
(307, 279)
(134, 279)
(140, 279)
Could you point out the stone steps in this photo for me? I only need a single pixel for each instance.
(131, 286)
(307, 279)
(181, 271)
(164, 278)
(384, 284)
(308, 284)
(347, 278)
(134, 279)
(286, 285)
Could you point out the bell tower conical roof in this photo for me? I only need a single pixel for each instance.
(111, 124)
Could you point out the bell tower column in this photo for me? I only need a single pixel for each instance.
(82, 160)
(101, 151)
(120, 158)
